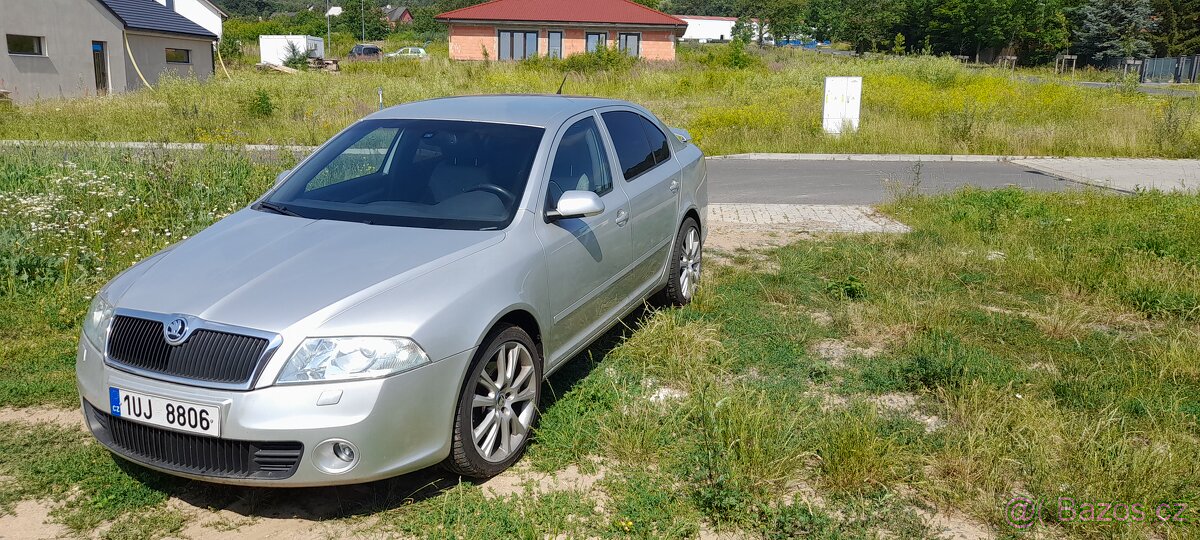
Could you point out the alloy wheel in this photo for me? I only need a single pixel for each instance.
(689, 263)
(502, 409)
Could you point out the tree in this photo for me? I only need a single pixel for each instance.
(1178, 30)
(1113, 29)
(351, 21)
(868, 24)
(969, 26)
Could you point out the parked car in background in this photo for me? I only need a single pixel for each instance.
(364, 51)
(397, 300)
(411, 53)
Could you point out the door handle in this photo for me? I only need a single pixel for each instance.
(622, 217)
(674, 186)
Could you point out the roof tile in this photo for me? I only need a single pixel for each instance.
(591, 11)
(152, 16)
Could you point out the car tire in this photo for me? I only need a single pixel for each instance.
(497, 403)
(686, 255)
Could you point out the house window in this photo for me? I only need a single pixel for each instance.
(179, 56)
(630, 44)
(596, 40)
(26, 45)
(517, 45)
(554, 45)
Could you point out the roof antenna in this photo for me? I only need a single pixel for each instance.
(560, 85)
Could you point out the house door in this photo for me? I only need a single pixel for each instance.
(100, 65)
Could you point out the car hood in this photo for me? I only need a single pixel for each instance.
(269, 271)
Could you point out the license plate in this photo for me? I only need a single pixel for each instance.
(164, 412)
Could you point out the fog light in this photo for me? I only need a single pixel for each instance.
(335, 456)
(343, 451)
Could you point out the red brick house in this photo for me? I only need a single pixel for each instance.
(518, 29)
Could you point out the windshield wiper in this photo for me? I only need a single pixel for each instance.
(277, 208)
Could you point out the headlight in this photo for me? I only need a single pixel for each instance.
(95, 323)
(342, 358)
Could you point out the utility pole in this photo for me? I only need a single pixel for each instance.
(328, 29)
(362, 14)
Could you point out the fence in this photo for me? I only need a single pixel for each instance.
(1183, 69)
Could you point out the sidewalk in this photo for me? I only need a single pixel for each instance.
(1122, 174)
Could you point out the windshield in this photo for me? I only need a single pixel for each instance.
(438, 174)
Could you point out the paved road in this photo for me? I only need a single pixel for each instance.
(858, 182)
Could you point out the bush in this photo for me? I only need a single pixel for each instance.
(296, 58)
(602, 59)
(260, 106)
(733, 55)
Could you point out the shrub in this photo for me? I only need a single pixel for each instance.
(260, 106)
(296, 58)
(602, 59)
(849, 288)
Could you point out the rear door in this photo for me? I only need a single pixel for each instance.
(586, 257)
(651, 179)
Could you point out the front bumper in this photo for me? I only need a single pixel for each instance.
(398, 424)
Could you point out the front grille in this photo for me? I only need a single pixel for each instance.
(207, 355)
(196, 454)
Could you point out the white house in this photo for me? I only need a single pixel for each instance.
(201, 12)
(703, 28)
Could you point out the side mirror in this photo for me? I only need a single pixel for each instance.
(576, 204)
(682, 134)
(282, 175)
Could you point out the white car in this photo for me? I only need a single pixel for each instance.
(411, 53)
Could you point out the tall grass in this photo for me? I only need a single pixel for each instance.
(773, 104)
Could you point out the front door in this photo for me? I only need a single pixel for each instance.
(586, 257)
(100, 64)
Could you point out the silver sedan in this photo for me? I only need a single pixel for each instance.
(396, 300)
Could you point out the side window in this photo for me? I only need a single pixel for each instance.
(658, 141)
(580, 163)
(363, 158)
(629, 140)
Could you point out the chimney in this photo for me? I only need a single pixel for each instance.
(171, 5)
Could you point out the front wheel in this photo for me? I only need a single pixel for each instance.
(685, 264)
(499, 405)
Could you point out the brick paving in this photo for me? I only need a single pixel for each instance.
(807, 217)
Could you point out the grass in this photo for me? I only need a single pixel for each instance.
(1039, 344)
(917, 105)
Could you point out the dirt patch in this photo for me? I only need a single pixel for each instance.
(220, 524)
(954, 525)
(828, 399)
(734, 237)
(518, 479)
(30, 520)
(667, 394)
(800, 491)
(821, 318)
(707, 532)
(43, 415)
(907, 405)
(836, 351)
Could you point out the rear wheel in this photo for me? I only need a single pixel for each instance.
(499, 405)
(685, 264)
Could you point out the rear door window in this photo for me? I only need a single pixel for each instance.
(658, 141)
(629, 139)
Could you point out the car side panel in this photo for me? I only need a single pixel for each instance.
(694, 192)
(654, 216)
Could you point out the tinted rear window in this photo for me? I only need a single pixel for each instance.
(629, 139)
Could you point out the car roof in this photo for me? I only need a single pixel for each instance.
(542, 110)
